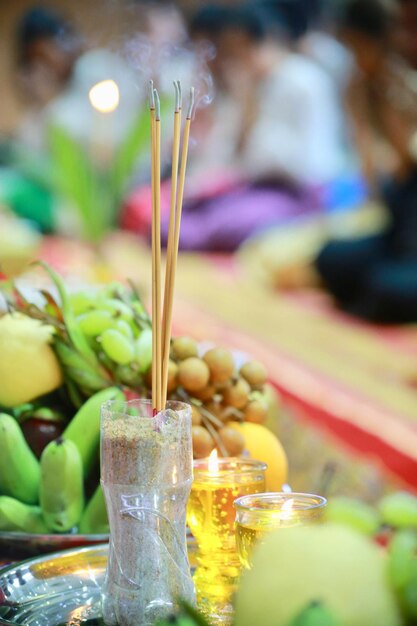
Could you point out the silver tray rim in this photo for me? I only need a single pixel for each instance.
(14, 567)
(52, 537)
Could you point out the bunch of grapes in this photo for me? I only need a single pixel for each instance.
(116, 326)
(218, 394)
(104, 338)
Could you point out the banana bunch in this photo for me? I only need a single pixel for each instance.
(101, 339)
(48, 495)
(19, 468)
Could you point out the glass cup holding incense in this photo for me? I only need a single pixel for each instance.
(146, 475)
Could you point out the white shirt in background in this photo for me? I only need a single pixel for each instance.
(299, 129)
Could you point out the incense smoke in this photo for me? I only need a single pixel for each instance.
(166, 63)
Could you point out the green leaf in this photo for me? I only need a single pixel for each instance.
(76, 179)
(137, 140)
(193, 613)
(315, 614)
(77, 338)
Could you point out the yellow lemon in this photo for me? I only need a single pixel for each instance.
(28, 365)
(263, 445)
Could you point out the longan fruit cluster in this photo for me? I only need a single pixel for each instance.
(218, 394)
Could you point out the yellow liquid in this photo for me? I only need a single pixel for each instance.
(211, 519)
(246, 539)
(248, 536)
(211, 515)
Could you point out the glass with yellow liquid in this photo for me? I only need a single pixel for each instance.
(259, 514)
(211, 519)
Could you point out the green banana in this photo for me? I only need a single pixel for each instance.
(315, 614)
(18, 517)
(84, 428)
(61, 488)
(94, 519)
(19, 468)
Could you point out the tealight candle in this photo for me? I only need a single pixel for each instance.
(211, 519)
(259, 514)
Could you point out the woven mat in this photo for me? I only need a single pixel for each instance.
(347, 378)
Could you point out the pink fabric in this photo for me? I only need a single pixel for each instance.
(219, 214)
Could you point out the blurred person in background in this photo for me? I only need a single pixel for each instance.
(57, 72)
(285, 110)
(276, 132)
(376, 277)
(320, 43)
(47, 47)
(163, 22)
(406, 31)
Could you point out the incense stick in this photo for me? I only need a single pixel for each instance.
(153, 184)
(157, 253)
(166, 335)
(174, 256)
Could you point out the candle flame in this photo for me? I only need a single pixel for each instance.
(288, 506)
(104, 96)
(213, 463)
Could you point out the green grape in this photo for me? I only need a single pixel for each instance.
(402, 554)
(94, 323)
(117, 346)
(117, 308)
(353, 513)
(399, 510)
(143, 350)
(409, 595)
(125, 328)
(81, 302)
(128, 375)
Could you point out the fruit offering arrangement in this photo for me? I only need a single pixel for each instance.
(62, 359)
(219, 395)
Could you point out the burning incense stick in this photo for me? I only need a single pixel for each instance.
(156, 246)
(171, 239)
(161, 328)
(174, 255)
(157, 253)
(153, 143)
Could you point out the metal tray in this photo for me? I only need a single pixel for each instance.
(60, 589)
(55, 590)
(17, 546)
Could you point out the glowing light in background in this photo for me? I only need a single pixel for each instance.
(105, 96)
